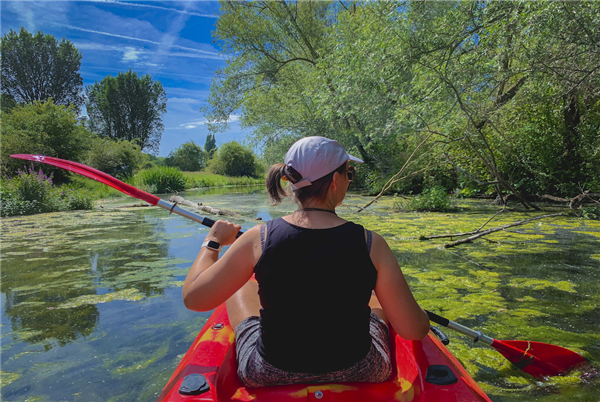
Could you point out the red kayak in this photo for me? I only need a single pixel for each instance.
(424, 371)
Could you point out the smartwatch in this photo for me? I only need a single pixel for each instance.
(213, 245)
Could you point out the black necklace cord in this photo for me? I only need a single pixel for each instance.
(316, 209)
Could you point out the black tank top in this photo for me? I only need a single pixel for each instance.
(314, 288)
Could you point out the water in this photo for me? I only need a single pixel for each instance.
(92, 310)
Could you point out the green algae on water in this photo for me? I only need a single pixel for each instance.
(127, 294)
(7, 378)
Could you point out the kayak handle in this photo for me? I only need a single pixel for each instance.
(442, 336)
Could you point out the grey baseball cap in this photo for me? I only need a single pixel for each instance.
(315, 157)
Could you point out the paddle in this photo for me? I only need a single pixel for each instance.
(107, 179)
(535, 358)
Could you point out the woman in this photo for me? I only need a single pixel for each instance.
(325, 288)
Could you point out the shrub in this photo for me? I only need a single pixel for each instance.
(233, 159)
(431, 199)
(189, 157)
(160, 180)
(592, 213)
(117, 158)
(32, 192)
(42, 128)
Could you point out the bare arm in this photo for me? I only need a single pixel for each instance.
(211, 281)
(407, 318)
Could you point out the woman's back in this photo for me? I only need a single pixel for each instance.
(313, 282)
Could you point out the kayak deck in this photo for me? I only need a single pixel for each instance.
(427, 372)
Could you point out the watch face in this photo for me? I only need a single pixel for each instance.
(213, 244)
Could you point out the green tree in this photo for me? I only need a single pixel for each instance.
(234, 159)
(42, 128)
(39, 67)
(7, 102)
(210, 147)
(128, 107)
(117, 158)
(189, 157)
(498, 95)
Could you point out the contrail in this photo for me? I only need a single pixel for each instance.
(158, 8)
(136, 39)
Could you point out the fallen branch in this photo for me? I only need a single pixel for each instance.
(575, 201)
(496, 229)
(214, 211)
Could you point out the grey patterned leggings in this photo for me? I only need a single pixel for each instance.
(254, 371)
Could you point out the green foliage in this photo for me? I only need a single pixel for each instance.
(431, 199)
(39, 67)
(507, 92)
(189, 157)
(128, 107)
(210, 147)
(588, 212)
(117, 158)
(7, 102)
(31, 192)
(234, 160)
(160, 180)
(42, 128)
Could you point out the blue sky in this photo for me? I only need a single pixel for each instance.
(170, 40)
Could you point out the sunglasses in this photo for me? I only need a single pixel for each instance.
(351, 173)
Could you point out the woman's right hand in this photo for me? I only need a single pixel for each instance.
(223, 232)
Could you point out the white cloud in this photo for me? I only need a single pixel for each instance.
(184, 100)
(201, 122)
(130, 54)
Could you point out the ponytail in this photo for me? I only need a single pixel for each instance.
(281, 171)
(276, 173)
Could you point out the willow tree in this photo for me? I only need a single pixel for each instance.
(397, 79)
(276, 74)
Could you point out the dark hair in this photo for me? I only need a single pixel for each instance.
(318, 188)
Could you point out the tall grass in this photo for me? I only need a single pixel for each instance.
(160, 180)
(203, 179)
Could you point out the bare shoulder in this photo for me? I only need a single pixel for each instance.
(380, 250)
(250, 241)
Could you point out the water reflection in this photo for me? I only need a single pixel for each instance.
(52, 283)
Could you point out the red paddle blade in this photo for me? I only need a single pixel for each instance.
(539, 359)
(93, 174)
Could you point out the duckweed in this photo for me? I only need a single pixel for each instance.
(7, 378)
(73, 279)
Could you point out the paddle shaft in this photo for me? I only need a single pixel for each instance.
(521, 358)
(475, 335)
(187, 214)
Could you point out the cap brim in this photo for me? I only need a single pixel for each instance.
(355, 159)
